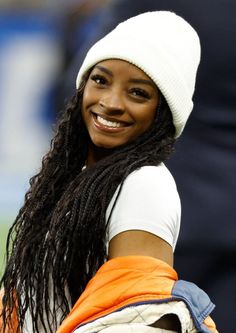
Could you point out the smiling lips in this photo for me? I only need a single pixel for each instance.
(103, 123)
(108, 123)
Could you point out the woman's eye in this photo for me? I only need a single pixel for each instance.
(137, 92)
(98, 79)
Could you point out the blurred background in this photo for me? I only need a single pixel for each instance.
(37, 41)
(42, 45)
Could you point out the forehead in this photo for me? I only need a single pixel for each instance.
(122, 66)
(124, 70)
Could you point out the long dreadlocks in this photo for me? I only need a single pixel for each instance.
(58, 240)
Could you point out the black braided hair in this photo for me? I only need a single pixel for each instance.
(58, 240)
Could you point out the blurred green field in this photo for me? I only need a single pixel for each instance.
(3, 236)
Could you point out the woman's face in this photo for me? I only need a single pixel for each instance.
(119, 103)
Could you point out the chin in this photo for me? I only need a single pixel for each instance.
(105, 146)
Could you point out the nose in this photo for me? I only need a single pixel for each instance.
(112, 101)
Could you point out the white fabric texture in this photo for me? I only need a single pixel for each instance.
(139, 318)
(148, 201)
(134, 328)
(165, 47)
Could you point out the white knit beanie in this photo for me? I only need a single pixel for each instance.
(165, 47)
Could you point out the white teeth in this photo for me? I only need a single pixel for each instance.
(108, 123)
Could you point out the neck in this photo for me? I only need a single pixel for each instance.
(95, 154)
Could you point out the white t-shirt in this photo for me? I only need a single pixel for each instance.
(148, 201)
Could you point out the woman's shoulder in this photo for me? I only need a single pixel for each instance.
(148, 201)
(151, 176)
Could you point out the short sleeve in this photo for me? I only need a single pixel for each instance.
(148, 201)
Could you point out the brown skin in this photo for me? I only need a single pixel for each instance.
(118, 92)
(141, 243)
(121, 93)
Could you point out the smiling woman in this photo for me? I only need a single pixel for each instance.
(93, 243)
(119, 104)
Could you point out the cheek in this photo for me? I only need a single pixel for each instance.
(83, 112)
(90, 98)
(148, 117)
(86, 102)
(85, 98)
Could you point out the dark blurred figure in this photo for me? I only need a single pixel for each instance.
(81, 21)
(204, 166)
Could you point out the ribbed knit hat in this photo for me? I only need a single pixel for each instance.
(165, 47)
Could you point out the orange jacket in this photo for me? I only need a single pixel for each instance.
(128, 281)
(14, 321)
(132, 280)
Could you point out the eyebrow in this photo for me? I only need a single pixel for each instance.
(132, 80)
(104, 70)
(143, 81)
